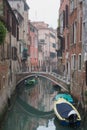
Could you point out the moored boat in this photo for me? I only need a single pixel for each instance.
(66, 112)
(30, 82)
(66, 96)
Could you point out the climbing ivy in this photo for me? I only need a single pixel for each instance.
(2, 33)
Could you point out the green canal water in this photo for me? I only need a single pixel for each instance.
(33, 108)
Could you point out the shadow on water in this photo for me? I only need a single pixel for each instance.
(58, 126)
(31, 110)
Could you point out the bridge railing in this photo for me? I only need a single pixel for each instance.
(64, 79)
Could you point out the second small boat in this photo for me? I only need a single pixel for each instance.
(66, 96)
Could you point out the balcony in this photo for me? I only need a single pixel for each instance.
(59, 34)
(25, 54)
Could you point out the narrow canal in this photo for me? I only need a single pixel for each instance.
(33, 108)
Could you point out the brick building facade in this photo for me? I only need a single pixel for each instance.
(8, 53)
(70, 35)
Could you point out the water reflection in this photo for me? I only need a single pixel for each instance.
(41, 95)
(33, 109)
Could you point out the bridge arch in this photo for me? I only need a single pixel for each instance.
(44, 75)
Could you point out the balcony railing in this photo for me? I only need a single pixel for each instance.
(59, 34)
(25, 54)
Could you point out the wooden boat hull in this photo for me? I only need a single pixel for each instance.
(63, 110)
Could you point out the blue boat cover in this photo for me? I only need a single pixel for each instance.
(63, 109)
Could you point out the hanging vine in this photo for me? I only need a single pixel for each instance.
(2, 33)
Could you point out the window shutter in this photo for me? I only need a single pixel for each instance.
(86, 72)
(63, 44)
(73, 32)
(63, 19)
(17, 33)
(66, 15)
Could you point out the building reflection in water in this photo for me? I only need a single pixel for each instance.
(40, 95)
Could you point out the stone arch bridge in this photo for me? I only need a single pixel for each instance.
(55, 78)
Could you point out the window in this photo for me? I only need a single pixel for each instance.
(14, 27)
(79, 62)
(67, 41)
(52, 35)
(63, 19)
(54, 45)
(86, 71)
(8, 51)
(63, 43)
(73, 62)
(80, 35)
(14, 53)
(67, 10)
(61, 23)
(17, 33)
(75, 29)
(8, 21)
(32, 29)
(19, 48)
(73, 33)
(52, 55)
(42, 40)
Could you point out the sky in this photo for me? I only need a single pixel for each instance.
(44, 10)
